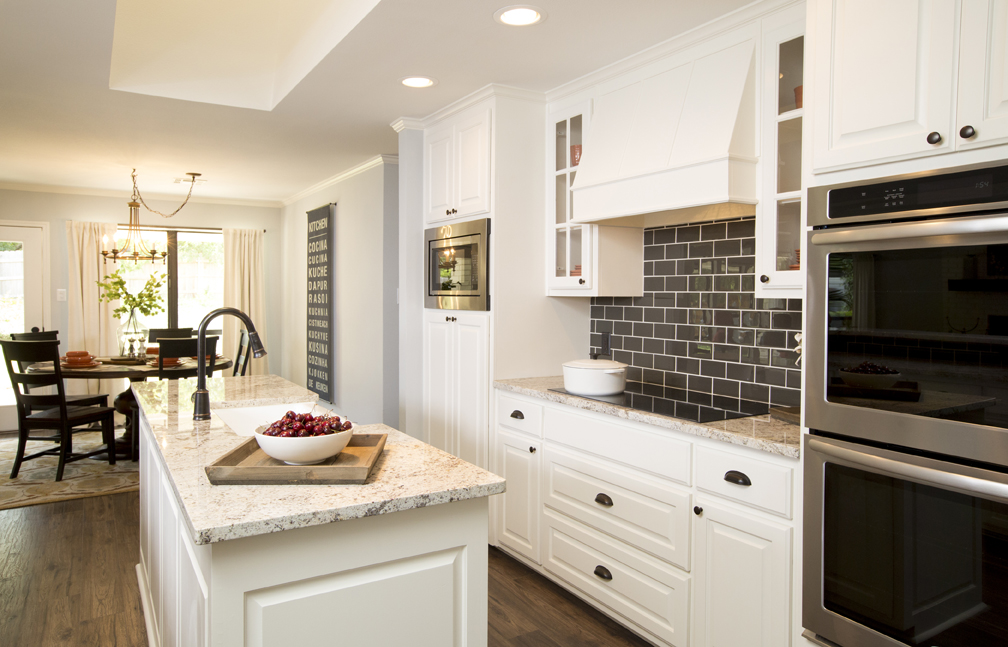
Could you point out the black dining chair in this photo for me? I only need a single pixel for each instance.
(182, 348)
(155, 334)
(51, 412)
(241, 359)
(87, 399)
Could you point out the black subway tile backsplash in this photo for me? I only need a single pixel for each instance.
(699, 341)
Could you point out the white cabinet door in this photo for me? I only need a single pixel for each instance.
(885, 72)
(743, 577)
(519, 460)
(472, 154)
(471, 375)
(457, 166)
(983, 74)
(439, 173)
(438, 383)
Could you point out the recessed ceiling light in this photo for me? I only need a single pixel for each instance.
(418, 81)
(520, 15)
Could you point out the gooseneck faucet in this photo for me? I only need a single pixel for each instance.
(201, 399)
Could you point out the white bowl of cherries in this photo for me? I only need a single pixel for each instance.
(304, 438)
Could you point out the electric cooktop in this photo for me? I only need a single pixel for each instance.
(632, 399)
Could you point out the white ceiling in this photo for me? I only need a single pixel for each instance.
(61, 124)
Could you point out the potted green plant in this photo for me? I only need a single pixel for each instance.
(132, 334)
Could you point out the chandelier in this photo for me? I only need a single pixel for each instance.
(134, 248)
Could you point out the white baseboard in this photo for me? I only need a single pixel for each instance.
(145, 601)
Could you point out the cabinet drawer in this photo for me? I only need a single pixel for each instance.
(644, 512)
(655, 452)
(640, 588)
(520, 414)
(770, 484)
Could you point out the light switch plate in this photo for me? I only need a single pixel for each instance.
(61, 294)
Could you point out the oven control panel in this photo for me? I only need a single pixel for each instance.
(981, 188)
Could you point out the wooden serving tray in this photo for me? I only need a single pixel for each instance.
(247, 464)
(904, 391)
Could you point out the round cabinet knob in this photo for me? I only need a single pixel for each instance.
(447, 318)
(454, 211)
(967, 132)
(697, 510)
(531, 450)
(580, 281)
(934, 138)
(447, 212)
(764, 278)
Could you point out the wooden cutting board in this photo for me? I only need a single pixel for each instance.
(248, 464)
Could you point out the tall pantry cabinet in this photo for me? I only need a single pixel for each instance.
(478, 164)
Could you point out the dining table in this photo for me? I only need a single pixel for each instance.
(106, 368)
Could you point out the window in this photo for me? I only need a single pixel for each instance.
(195, 271)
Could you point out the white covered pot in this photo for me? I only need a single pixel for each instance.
(594, 377)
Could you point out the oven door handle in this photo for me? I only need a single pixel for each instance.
(945, 480)
(904, 230)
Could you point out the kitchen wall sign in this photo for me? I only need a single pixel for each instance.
(321, 246)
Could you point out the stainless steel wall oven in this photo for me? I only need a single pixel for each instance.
(458, 265)
(906, 463)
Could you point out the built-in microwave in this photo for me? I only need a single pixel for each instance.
(457, 262)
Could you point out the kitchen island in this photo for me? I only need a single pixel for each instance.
(401, 559)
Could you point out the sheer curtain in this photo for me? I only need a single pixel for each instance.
(245, 289)
(92, 326)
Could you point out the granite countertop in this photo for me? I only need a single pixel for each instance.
(759, 432)
(409, 474)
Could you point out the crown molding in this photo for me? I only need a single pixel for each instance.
(486, 92)
(125, 195)
(377, 160)
(716, 27)
(407, 123)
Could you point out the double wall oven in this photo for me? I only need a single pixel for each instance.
(906, 462)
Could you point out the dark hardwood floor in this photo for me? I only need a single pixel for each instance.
(68, 573)
(527, 610)
(67, 577)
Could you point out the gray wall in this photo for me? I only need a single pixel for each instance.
(365, 347)
(58, 208)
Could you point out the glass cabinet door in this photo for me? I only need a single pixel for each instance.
(780, 229)
(571, 249)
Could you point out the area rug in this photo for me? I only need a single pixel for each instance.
(36, 483)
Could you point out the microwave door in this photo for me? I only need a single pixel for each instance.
(910, 298)
(454, 264)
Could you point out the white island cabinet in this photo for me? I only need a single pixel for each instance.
(399, 560)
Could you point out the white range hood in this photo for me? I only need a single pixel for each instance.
(677, 145)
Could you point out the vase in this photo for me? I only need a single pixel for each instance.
(132, 335)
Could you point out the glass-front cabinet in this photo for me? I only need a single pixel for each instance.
(570, 254)
(779, 219)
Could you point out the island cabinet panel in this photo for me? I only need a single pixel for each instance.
(427, 566)
(743, 575)
(519, 460)
(421, 590)
(169, 567)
